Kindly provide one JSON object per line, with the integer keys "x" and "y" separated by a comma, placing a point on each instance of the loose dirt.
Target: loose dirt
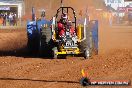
{"x": 114, "y": 62}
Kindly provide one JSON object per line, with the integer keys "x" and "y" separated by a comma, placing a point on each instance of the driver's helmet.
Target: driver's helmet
{"x": 64, "y": 17}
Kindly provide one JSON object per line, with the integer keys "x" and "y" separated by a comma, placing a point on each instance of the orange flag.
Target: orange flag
{"x": 83, "y": 73}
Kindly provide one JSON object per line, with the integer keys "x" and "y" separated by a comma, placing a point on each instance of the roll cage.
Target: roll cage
{"x": 66, "y": 9}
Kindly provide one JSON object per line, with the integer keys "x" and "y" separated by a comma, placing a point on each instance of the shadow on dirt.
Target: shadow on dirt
{"x": 22, "y": 52}
{"x": 39, "y": 80}
{"x": 17, "y": 52}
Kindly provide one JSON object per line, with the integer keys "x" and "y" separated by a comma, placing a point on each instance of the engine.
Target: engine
{"x": 69, "y": 38}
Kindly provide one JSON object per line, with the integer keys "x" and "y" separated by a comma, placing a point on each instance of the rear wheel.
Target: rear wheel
{"x": 90, "y": 45}
{"x": 86, "y": 53}
{"x": 54, "y": 51}
{"x": 46, "y": 43}
{"x": 85, "y": 46}
{"x": 33, "y": 45}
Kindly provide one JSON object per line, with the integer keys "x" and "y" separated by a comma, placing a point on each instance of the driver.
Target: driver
{"x": 65, "y": 25}
{"x": 64, "y": 18}
{"x": 61, "y": 25}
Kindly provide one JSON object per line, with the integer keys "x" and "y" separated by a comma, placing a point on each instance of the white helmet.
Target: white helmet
{"x": 64, "y": 16}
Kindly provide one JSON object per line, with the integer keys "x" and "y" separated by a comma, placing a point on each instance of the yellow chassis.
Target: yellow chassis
{"x": 69, "y": 51}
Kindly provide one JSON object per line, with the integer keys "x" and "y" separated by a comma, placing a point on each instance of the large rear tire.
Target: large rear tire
{"x": 85, "y": 46}
{"x": 46, "y": 43}
{"x": 90, "y": 45}
{"x": 33, "y": 45}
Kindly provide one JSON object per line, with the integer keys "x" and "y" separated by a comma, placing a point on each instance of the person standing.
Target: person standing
{"x": 1, "y": 19}
{"x": 10, "y": 18}
{"x": 4, "y": 19}
{"x": 14, "y": 19}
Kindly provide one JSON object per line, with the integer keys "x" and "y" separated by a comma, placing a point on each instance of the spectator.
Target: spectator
{"x": 4, "y": 19}
{"x": 11, "y": 19}
{"x": 7, "y": 18}
{"x": 14, "y": 19}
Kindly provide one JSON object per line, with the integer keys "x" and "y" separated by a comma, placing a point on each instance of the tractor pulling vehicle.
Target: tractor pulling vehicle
{"x": 62, "y": 36}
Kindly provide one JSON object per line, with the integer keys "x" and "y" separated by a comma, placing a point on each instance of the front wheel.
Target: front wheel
{"x": 33, "y": 46}
{"x": 55, "y": 50}
{"x": 86, "y": 54}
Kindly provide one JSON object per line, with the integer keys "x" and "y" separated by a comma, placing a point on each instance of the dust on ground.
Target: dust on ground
{"x": 113, "y": 62}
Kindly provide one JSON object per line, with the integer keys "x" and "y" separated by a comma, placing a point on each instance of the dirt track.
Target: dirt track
{"x": 17, "y": 71}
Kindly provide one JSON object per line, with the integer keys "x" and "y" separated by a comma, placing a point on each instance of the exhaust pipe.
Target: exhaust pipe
{"x": 84, "y": 31}
{"x": 53, "y": 28}
{"x": 33, "y": 14}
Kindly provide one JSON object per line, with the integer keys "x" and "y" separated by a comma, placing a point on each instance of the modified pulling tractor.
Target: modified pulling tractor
{"x": 62, "y": 36}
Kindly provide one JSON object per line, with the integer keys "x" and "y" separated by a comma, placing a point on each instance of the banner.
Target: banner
{"x": 4, "y": 8}
{"x": 114, "y": 1}
{"x": 124, "y": 9}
